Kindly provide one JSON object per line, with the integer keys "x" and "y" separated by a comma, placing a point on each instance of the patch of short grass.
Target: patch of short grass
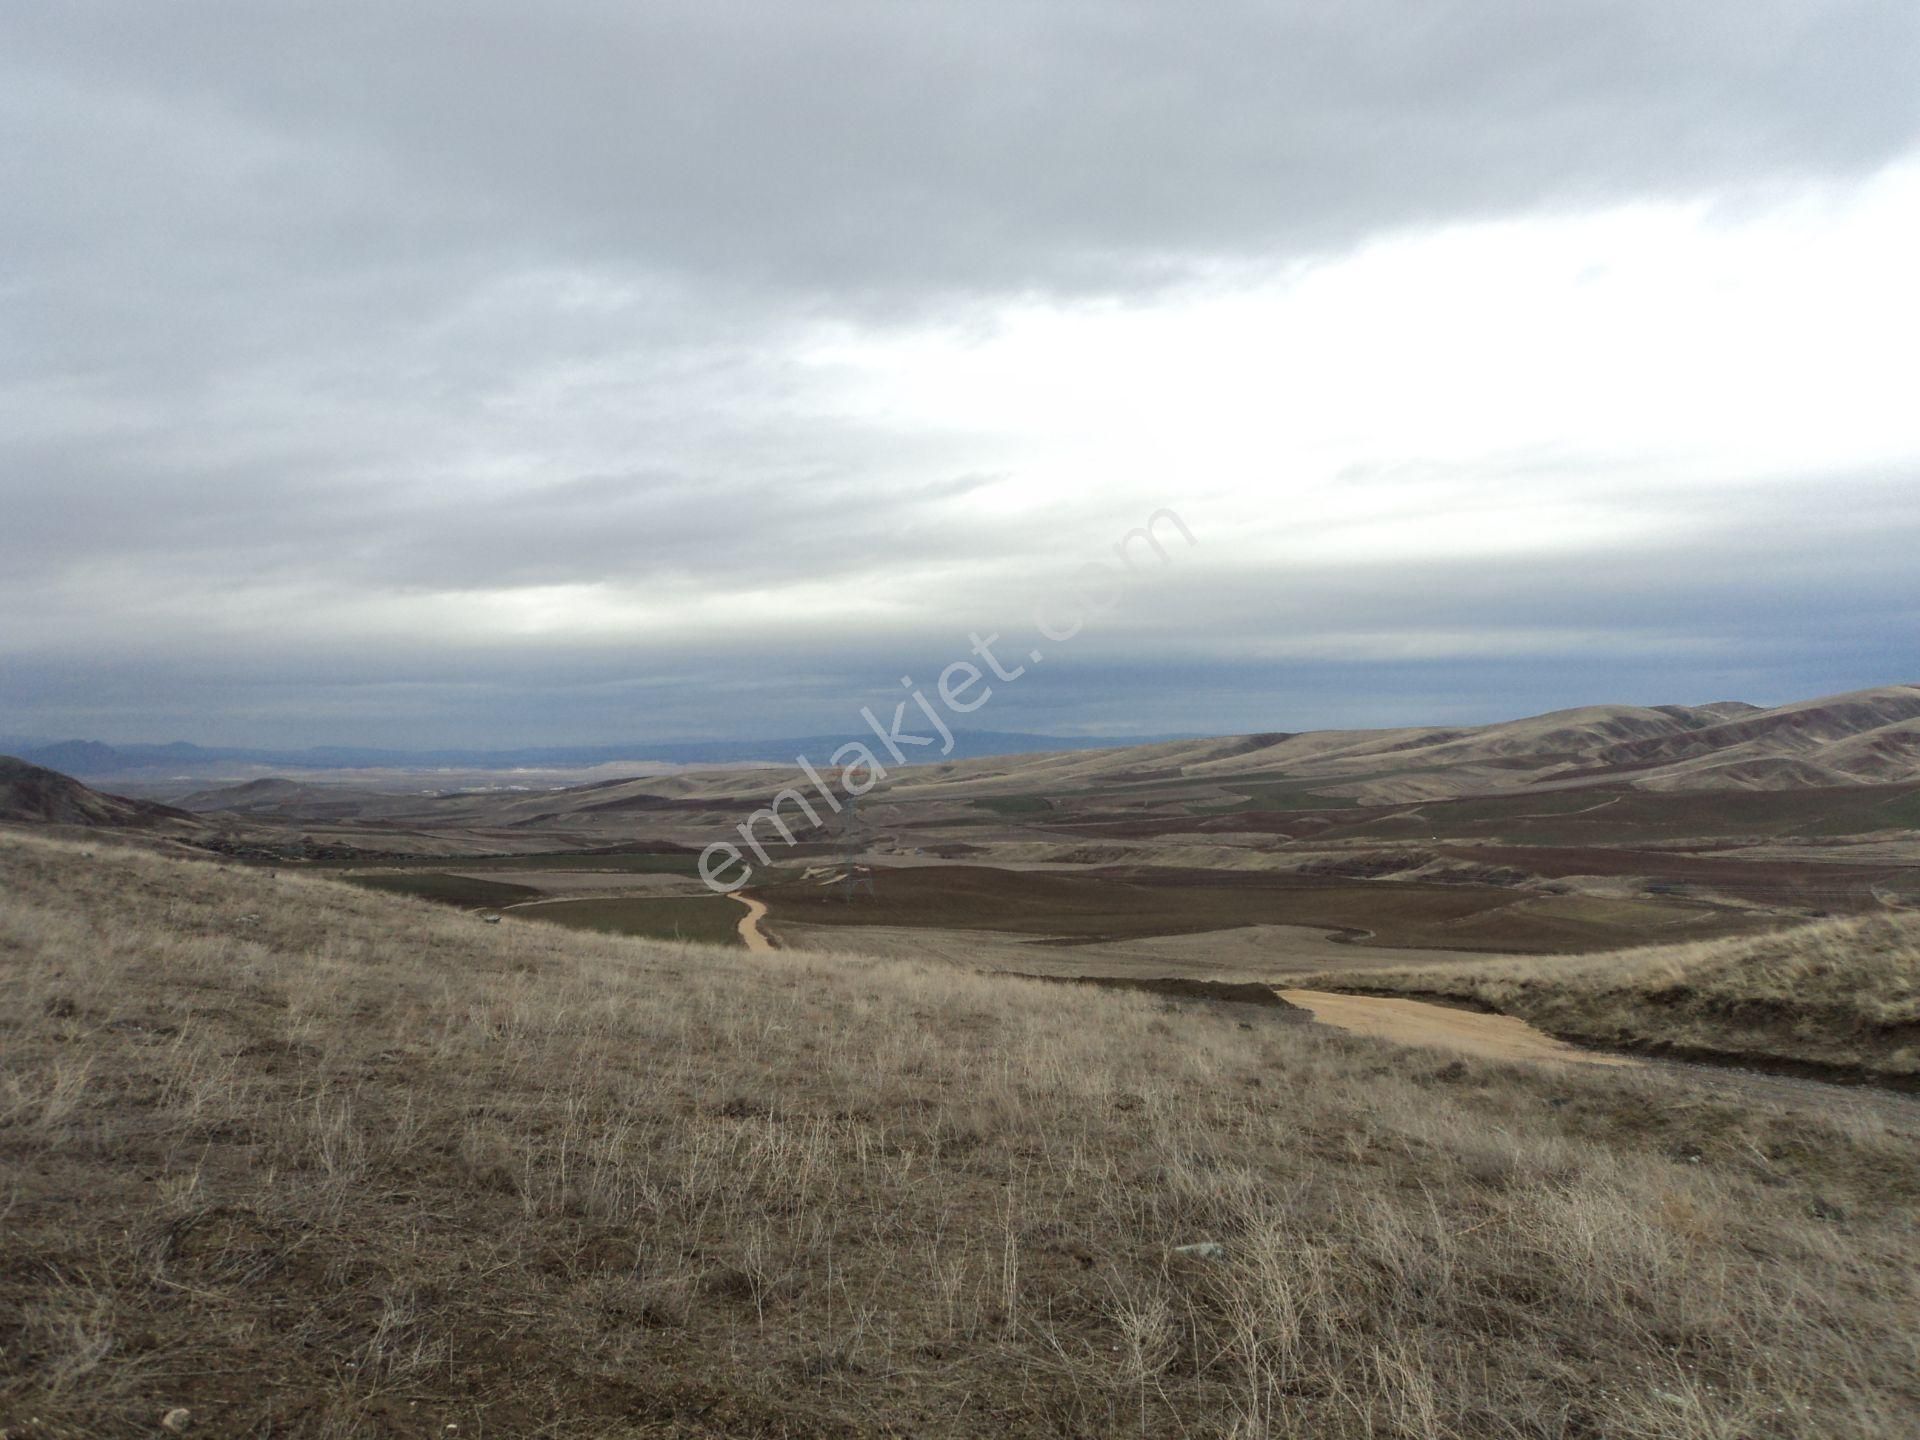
{"x": 1014, "y": 804}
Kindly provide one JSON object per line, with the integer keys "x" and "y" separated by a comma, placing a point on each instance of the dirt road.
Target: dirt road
{"x": 1414, "y": 1022}
{"x": 751, "y": 935}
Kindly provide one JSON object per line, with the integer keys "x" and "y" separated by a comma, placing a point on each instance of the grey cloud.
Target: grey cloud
{"x": 1801, "y": 600}
{"x": 860, "y": 146}
{"x": 381, "y": 298}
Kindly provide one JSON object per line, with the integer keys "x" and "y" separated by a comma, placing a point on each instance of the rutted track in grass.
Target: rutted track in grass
{"x": 1419, "y": 1022}
{"x": 1402, "y": 1018}
{"x": 751, "y": 935}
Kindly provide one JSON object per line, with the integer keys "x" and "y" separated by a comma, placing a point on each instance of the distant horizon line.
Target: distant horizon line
{"x": 46, "y": 741}
{"x": 24, "y": 746}
{"x": 99, "y": 758}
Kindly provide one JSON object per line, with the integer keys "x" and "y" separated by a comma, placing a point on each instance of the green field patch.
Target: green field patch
{"x": 1552, "y": 804}
{"x": 636, "y": 862}
{"x": 621, "y": 862}
{"x": 709, "y": 918}
{"x": 1904, "y": 812}
{"x": 1014, "y": 804}
{"x": 462, "y": 890}
{"x": 1275, "y": 795}
{"x": 1873, "y": 812}
{"x": 1639, "y": 817}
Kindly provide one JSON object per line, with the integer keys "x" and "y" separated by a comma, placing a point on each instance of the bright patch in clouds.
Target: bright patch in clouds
{"x": 1522, "y": 386}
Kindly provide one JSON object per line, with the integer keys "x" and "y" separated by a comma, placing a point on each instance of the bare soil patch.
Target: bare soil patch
{"x": 1119, "y": 905}
{"x": 1419, "y": 1023}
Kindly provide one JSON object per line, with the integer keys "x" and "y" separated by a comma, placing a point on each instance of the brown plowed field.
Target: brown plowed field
{"x": 1107, "y": 906}
{"x": 1774, "y": 881}
{"x": 1601, "y": 815}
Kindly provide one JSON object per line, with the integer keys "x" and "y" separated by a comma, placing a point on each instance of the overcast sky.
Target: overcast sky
{"x": 484, "y": 373}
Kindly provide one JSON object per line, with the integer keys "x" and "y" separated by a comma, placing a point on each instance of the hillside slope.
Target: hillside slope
{"x": 32, "y": 795}
{"x": 269, "y": 794}
{"x": 1869, "y": 737}
{"x": 304, "y": 1160}
{"x": 1864, "y": 738}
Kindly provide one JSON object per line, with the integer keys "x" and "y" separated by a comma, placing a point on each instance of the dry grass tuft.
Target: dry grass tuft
{"x": 360, "y": 1167}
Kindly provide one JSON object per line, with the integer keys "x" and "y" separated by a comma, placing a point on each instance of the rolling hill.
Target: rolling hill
{"x": 1871, "y": 737}
{"x": 1845, "y": 766}
{"x": 272, "y": 796}
{"x": 30, "y": 794}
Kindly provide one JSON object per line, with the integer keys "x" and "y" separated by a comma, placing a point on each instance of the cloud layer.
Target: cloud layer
{"x": 484, "y": 373}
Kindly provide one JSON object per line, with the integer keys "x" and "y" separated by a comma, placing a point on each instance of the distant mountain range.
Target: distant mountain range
{"x": 93, "y": 759}
{"x": 1868, "y": 738}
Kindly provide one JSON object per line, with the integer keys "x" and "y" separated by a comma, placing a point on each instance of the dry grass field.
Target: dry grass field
{"x": 305, "y": 1160}
{"x": 1838, "y": 993}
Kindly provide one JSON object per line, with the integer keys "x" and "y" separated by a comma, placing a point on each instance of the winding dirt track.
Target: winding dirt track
{"x": 751, "y": 935}
{"x": 1414, "y": 1022}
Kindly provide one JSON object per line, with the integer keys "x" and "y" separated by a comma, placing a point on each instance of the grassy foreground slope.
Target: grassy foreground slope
{"x": 306, "y": 1160}
{"x": 1840, "y": 993}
